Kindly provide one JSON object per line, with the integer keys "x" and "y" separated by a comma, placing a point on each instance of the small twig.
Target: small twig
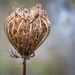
{"x": 24, "y": 66}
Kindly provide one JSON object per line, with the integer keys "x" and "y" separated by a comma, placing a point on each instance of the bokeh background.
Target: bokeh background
{"x": 56, "y": 56}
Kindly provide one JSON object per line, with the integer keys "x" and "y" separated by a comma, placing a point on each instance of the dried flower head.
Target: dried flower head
{"x": 27, "y": 29}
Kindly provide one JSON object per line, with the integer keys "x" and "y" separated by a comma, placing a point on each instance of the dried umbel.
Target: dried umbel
{"x": 27, "y": 29}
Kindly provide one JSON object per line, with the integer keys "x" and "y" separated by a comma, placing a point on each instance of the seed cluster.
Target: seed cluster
{"x": 27, "y": 29}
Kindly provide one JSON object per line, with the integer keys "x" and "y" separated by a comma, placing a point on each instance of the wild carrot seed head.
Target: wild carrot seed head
{"x": 27, "y": 29}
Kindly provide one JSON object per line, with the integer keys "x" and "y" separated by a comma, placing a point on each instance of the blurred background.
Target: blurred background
{"x": 56, "y": 56}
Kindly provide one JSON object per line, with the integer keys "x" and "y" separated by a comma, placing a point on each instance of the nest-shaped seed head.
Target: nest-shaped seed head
{"x": 27, "y": 29}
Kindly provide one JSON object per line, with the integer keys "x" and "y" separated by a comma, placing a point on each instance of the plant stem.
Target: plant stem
{"x": 24, "y": 66}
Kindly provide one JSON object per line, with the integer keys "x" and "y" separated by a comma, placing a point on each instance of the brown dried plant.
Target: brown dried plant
{"x": 27, "y": 29}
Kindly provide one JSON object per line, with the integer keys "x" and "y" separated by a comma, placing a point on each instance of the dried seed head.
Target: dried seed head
{"x": 27, "y": 29}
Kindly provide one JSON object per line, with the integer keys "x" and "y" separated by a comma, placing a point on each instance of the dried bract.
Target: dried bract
{"x": 27, "y": 29}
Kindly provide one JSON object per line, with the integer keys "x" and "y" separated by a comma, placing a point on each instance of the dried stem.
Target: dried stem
{"x": 24, "y": 66}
